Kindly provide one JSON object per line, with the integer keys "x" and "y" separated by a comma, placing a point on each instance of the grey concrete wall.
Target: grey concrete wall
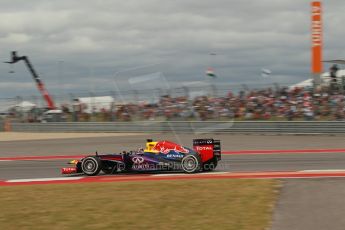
{"x": 186, "y": 127}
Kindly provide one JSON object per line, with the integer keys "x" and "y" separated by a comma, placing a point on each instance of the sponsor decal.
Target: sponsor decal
{"x": 165, "y": 147}
{"x": 138, "y": 160}
{"x": 143, "y": 166}
{"x": 202, "y": 148}
{"x": 203, "y": 141}
{"x": 175, "y": 156}
{"x": 68, "y": 170}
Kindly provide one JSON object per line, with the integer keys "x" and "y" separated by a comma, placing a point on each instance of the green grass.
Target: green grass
{"x": 197, "y": 204}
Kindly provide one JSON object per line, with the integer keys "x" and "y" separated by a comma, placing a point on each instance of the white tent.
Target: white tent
{"x": 326, "y": 77}
{"x": 325, "y": 80}
{"x": 25, "y": 106}
{"x": 96, "y": 104}
{"x": 304, "y": 84}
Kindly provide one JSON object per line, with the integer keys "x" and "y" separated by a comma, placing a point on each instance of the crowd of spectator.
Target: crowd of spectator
{"x": 266, "y": 104}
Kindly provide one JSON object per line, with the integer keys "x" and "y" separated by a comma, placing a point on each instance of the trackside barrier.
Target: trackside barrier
{"x": 302, "y": 127}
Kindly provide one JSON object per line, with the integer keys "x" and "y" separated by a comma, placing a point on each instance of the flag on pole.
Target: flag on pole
{"x": 210, "y": 72}
{"x": 265, "y": 72}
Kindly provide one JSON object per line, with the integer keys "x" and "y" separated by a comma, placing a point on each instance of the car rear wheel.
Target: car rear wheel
{"x": 191, "y": 164}
{"x": 91, "y": 166}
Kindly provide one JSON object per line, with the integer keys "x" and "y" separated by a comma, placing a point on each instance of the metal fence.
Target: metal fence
{"x": 122, "y": 96}
{"x": 248, "y": 127}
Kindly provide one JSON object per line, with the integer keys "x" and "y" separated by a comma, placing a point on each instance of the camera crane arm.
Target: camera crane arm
{"x": 37, "y": 79}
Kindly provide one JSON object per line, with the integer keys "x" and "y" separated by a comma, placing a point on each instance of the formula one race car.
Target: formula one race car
{"x": 158, "y": 156}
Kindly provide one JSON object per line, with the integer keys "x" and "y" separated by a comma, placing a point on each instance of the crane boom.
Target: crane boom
{"x": 37, "y": 79}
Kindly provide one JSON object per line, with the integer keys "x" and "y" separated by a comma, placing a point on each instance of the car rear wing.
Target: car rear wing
{"x": 208, "y": 149}
{"x": 217, "y": 151}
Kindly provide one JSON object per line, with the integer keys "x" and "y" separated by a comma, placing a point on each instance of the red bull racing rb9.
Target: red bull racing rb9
{"x": 157, "y": 156}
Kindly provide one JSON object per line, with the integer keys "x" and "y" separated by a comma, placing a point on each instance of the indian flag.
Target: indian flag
{"x": 210, "y": 72}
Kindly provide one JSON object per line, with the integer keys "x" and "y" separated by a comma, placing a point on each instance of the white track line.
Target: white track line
{"x": 206, "y": 173}
{"x": 44, "y": 179}
{"x": 324, "y": 170}
{"x": 296, "y": 177}
{"x": 179, "y": 174}
{"x": 186, "y": 174}
{"x": 5, "y": 160}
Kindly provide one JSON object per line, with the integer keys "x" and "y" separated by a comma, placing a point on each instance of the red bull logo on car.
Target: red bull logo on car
{"x": 165, "y": 147}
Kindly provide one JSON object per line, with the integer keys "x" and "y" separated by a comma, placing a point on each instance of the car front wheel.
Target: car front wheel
{"x": 91, "y": 166}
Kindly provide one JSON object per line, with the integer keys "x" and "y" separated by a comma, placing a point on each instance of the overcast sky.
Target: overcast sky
{"x": 81, "y": 45}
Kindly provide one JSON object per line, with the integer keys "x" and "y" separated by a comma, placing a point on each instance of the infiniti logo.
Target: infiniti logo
{"x": 138, "y": 160}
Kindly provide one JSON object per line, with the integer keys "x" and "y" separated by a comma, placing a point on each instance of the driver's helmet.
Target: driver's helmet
{"x": 150, "y": 145}
{"x": 140, "y": 150}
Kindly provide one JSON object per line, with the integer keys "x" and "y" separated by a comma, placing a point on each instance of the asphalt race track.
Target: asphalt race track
{"x": 230, "y": 163}
{"x": 117, "y": 144}
{"x": 316, "y": 203}
{"x": 17, "y": 169}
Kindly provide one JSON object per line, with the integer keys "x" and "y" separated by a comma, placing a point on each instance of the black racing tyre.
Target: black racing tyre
{"x": 109, "y": 167}
{"x": 91, "y": 166}
{"x": 208, "y": 167}
{"x": 191, "y": 164}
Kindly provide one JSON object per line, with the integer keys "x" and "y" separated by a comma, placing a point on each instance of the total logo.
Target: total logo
{"x": 203, "y": 148}
{"x": 69, "y": 170}
{"x": 138, "y": 160}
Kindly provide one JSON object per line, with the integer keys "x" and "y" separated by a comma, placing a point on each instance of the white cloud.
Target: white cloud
{"x": 99, "y": 38}
{"x": 15, "y": 38}
{"x": 9, "y": 85}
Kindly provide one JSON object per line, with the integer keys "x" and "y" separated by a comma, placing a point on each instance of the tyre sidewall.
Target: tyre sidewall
{"x": 197, "y": 162}
{"x": 95, "y": 163}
